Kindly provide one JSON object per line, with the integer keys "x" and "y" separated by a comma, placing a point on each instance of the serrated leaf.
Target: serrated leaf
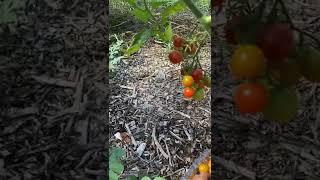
{"x": 177, "y": 7}
{"x": 113, "y": 175}
{"x": 116, "y": 166}
{"x": 141, "y": 14}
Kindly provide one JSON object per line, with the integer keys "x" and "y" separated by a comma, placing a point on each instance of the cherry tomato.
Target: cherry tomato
{"x": 282, "y": 106}
{"x": 247, "y": 62}
{"x": 188, "y": 92}
{"x": 276, "y": 41}
{"x": 187, "y": 81}
{"x": 178, "y": 41}
{"x": 203, "y": 168}
{"x": 250, "y": 98}
{"x": 175, "y": 57}
{"x": 199, "y": 94}
{"x": 197, "y": 74}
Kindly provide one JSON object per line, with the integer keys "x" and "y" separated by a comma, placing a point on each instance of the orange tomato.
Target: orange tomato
{"x": 203, "y": 168}
{"x": 187, "y": 81}
{"x": 188, "y": 92}
{"x": 247, "y": 62}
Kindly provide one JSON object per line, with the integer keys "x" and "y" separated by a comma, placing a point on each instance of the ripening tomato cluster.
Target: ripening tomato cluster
{"x": 203, "y": 171}
{"x": 194, "y": 79}
{"x": 270, "y": 66}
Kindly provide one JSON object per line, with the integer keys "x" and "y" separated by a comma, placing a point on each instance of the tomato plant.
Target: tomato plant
{"x": 268, "y": 60}
{"x": 250, "y": 98}
{"x": 183, "y": 50}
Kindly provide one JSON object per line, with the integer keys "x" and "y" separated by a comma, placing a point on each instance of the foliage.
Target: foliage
{"x": 115, "y": 165}
{"x": 8, "y": 11}
{"x": 115, "y": 52}
{"x": 156, "y": 16}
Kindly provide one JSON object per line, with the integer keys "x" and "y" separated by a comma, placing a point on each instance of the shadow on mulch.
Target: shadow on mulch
{"x": 53, "y": 93}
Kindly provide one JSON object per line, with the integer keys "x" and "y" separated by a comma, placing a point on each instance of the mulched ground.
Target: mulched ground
{"x": 53, "y": 88}
{"x": 252, "y": 148}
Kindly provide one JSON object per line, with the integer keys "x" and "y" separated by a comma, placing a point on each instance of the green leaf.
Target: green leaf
{"x": 145, "y": 178}
{"x": 177, "y": 7}
{"x": 142, "y": 15}
{"x": 139, "y": 40}
{"x": 113, "y": 175}
{"x": 132, "y": 2}
{"x": 157, "y": 3}
{"x": 7, "y": 14}
{"x": 132, "y": 49}
{"x": 116, "y": 166}
{"x": 159, "y": 178}
{"x": 168, "y": 33}
{"x": 117, "y": 153}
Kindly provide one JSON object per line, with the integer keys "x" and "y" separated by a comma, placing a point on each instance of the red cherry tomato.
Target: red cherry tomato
{"x": 178, "y": 41}
{"x": 197, "y": 74}
{"x": 250, "y": 98}
{"x": 276, "y": 41}
{"x": 175, "y": 57}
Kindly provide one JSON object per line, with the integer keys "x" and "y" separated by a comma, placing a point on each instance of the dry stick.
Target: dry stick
{"x": 285, "y": 10}
{"x": 234, "y": 167}
{"x": 131, "y": 136}
{"x": 157, "y": 143}
{"x": 53, "y": 81}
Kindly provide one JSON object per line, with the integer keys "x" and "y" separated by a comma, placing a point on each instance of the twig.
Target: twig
{"x": 131, "y": 136}
{"x": 158, "y": 144}
{"x": 53, "y": 81}
{"x": 234, "y": 167}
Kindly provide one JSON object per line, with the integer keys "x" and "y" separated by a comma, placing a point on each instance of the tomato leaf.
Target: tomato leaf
{"x": 117, "y": 153}
{"x": 132, "y": 2}
{"x": 138, "y": 42}
{"x": 159, "y": 178}
{"x": 142, "y": 15}
{"x": 145, "y": 178}
{"x": 157, "y": 3}
{"x": 177, "y": 7}
{"x": 116, "y": 166}
{"x": 113, "y": 175}
{"x": 168, "y": 33}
